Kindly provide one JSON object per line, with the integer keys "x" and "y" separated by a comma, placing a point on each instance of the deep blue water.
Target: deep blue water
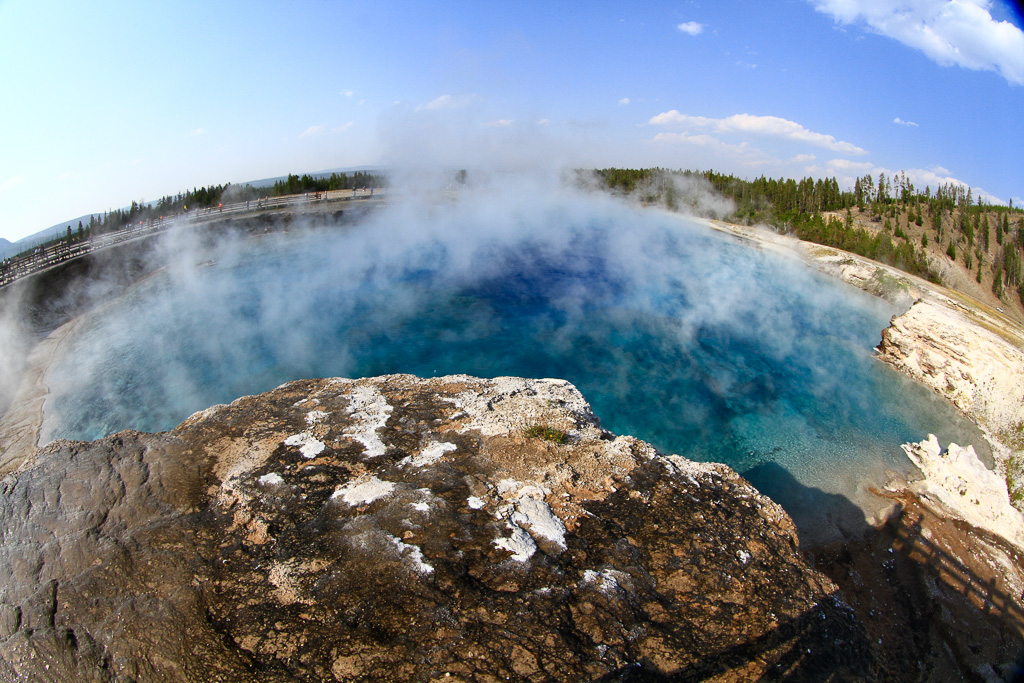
{"x": 689, "y": 340}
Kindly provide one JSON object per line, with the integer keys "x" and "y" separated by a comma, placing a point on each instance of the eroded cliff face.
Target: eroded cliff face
{"x": 396, "y": 528}
{"x": 977, "y": 364}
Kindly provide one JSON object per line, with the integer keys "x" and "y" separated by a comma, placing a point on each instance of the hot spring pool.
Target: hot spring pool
{"x": 683, "y": 337}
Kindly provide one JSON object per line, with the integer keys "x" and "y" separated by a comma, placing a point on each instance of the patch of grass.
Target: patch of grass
{"x": 887, "y": 285}
{"x": 547, "y": 433}
{"x": 1015, "y": 485}
{"x": 1013, "y": 436}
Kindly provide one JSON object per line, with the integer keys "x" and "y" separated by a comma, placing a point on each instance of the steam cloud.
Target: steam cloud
{"x": 13, "y": 347}
{"x": 252, "y": 329}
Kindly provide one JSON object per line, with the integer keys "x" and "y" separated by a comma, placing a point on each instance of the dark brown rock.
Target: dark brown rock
{"x": 404, "y": 529}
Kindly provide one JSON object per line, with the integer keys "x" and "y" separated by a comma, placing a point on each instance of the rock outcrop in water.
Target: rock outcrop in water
{"x": 404, "y": 529}
{"x": 957, "y": 479}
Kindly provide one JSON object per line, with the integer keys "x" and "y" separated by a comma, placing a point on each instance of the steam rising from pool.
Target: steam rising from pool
{"x": 676, "y": 334}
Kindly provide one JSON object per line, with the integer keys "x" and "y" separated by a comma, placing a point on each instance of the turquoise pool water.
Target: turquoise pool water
{"x": 686, "y": 338}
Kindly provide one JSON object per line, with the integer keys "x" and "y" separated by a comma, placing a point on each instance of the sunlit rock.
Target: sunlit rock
{"x": 958, "y": 479}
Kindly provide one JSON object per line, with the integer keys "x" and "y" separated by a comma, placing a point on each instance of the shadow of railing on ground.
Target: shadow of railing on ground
{"x": 911, "y": 541}
{"x": 814, "y": 646}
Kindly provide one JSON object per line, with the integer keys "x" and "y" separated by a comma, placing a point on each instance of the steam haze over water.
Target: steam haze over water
{"x": 675, "y": 334}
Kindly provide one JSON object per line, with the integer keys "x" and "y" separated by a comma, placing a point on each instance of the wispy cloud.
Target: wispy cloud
{"x": 718, "y": 152}
{"x": 347, "y": 93}
{"x": 960, "y": 32}
{"x": 769, "y": 126}
{"x": 12, "y": 183}
{"x": 500, "y": 123}
{"x": 313, "y": 130}
{"x": 321, "y": 129}
{"x": 702, "y": 140}
{"x": 850, "y": 166}
{"x": 624, "y": 100}
{"x": 691, "y": 28}
{"x": 196, "y": 132}
{"x": 449, "y": 102}
{"x": 901, "y": 122}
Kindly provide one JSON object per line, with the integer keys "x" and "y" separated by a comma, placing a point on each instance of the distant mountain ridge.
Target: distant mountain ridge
{"x": 49, "y": 233}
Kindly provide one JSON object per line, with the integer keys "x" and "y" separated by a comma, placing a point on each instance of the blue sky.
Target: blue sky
{"x": 109, "y": 102}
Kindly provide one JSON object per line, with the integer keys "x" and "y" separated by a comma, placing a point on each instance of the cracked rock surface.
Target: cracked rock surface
{"x": 397, "y": 528}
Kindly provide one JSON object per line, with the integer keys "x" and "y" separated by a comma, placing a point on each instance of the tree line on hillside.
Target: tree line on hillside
{"x": 209, "y": 197}
{"x": 818, "y": 210}
{"x": 336, "y": 181}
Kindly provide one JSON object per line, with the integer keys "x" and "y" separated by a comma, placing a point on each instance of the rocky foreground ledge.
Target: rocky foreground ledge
{"x": 396, "y": 528}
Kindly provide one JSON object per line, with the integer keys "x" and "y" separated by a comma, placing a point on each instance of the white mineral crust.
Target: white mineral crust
{"x": 958, "y": 479}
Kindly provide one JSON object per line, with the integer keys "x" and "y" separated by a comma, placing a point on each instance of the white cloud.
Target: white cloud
{"x": 960, "y": 32}
{"x": 197, "y": 132}
{"x": 501, "y": 122}
{"x": 313, "y": 130}
{"x": 901, "y": 122}
{"x": 937, "y": 175}
{"x": 624, "y": 100}
{"x": 691, "y": 27}
{"x": 449, "y": 102}
{"x": 344, "y": 126}
{"x": 847, "y": 172}
{"x": 771, "y": 126}
{"x": 347, "y": 93}
{"x": 804, "y": 158}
